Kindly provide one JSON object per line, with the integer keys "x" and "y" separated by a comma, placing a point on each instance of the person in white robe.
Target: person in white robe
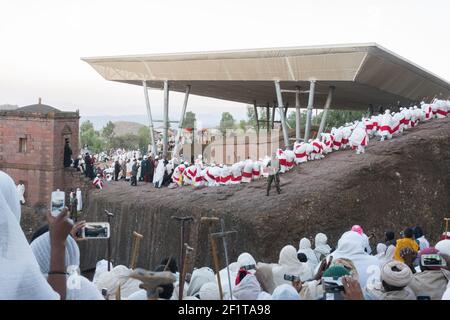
{"x": 79, "y": 200}
{"x": 159, "y": 174}
{"x": 305, "y": 247}
{"x": 198, "y": 279}
{"x": 247, "y": 289}
{"x": 78, "y": 287}
{"x": 351, "y": 246}
{"x": 20, "y": 276}
{"x": 322, "y": 249}
{"x": 288, "y": 264}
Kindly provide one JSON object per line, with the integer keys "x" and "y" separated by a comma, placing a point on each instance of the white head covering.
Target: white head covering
{"x": 351, "y": 246}
{"x": 80, "y": 288}
{"x": 198, "y": 279}
{"x": 209, "y": 291}
{"x": 118, "y": 276}
{"x": 285, "y": 292}
{"x": 41, "y": 250}
{"x": 9, "y": 191}
{"x": 20, "y": 277}
{"x": 248, "y": 289}
{"x": 443, "y": 247}
{"x": 305, "y": 247}
{"x": 388, "y": 255}
{"x": 245, "y": 259}
{"x": 321, "y": 246}
{"x": 288, "y": 263}
{"x": 381, "y": 250}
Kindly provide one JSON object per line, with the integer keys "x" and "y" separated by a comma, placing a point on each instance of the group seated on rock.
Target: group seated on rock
{"x": 406, "y": 268}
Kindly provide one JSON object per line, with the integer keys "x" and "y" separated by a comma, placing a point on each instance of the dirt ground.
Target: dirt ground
{"x": 397, "y": 183}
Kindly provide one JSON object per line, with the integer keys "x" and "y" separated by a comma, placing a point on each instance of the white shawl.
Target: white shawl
{"x": 20, "y": 277}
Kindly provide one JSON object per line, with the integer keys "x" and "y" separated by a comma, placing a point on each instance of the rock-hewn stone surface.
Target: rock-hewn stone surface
{"x": 397, "y": 183}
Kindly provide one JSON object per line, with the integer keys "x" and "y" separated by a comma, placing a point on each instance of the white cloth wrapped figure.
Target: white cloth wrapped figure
{"x": 290, "y": 157}
{"x": 256, "y": 171}
{"x": 317, "y": 152}
{"x": 20, "y": 192}
{"x": 440, "y": 108}
{"x": 359, "y": 138}
{"x": 189, "y": 175}
{"x": 236, "y": 172}
{"x": 247, "y": 172}
{"x": 327, "y": 140}
{"x": 407, "y": 121}
{"x": 300, "y": 152}
{"x": 370, "y": 128}
{"x": 177, "y": 176}
{"x": 427, "y": 110}
{"x": 386, "y": 126}
{"x": 212, "y": 176}
{"x": 282, "y": 158}
{"x": 225, "y": 177}
{"x": 79, "y": 200}
{"x": 337, "y": 138}
{"x": 414, "y": 120}
{"x": 346, "y": 132}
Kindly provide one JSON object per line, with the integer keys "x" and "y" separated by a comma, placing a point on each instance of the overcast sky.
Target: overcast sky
{"x": 41, "y": 42}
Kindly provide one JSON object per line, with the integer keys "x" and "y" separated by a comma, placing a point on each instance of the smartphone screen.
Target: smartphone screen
{"x": 96, "y": 230}
{"x": 57, "y": 202}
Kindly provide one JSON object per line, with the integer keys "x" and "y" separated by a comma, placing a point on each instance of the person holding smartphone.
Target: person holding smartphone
{"x": 30, "y": 284}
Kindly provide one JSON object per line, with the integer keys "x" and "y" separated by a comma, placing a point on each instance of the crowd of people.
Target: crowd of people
{"x": 134, "y": 166}
{"x": 406, "y": 267}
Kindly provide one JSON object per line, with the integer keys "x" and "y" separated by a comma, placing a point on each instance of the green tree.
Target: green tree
{"x": 227, "y": 122}
{"x": 89, "y": 136}
{"x": 127, "y": 141}
{"x": 337, "y": 118}
{"x": 143, "y": 138}
{"x": 243, "y": 124}
{"x": 262, "y": 116}
{"x": 189, "y": 120}
{"x": 107, "y": 133}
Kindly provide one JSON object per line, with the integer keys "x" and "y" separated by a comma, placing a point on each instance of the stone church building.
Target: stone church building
{"x": 32, "y": 142}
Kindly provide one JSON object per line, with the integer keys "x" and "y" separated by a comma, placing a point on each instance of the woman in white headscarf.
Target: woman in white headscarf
{"x": 381, "y": 250}
{"x": 305, "y": 247}
{"x": 322, "y": 249}
{"x": 351, "y": 246}
{"x": 289, "y": 264}
{"x": 198, "y": 279}
{"x": 20, "y": 277}
{"x": 78, "y": 287}
{"x": 248, "y": 288}
{"x": 388, "y": 255}
{"x": 246, "y": 260}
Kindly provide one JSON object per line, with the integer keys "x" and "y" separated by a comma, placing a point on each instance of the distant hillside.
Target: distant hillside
{"x": 126, "y": 127}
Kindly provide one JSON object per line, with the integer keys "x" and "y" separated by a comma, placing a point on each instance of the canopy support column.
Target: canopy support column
{"x": 297, "y": 115}
{"x": 166, "y": 119}
{"x": 255, "y": 107}
{"x": 150, "y": 119}
{"x": 312, "y": 87}
{"x": 180, "y": 124}
{"x": 273, "y": 116}
{"x": 325, "y": 110}
{"x": 282, "y": 114}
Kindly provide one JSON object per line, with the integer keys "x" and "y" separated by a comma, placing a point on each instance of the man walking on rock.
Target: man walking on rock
{"x": 274, "y": 173}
